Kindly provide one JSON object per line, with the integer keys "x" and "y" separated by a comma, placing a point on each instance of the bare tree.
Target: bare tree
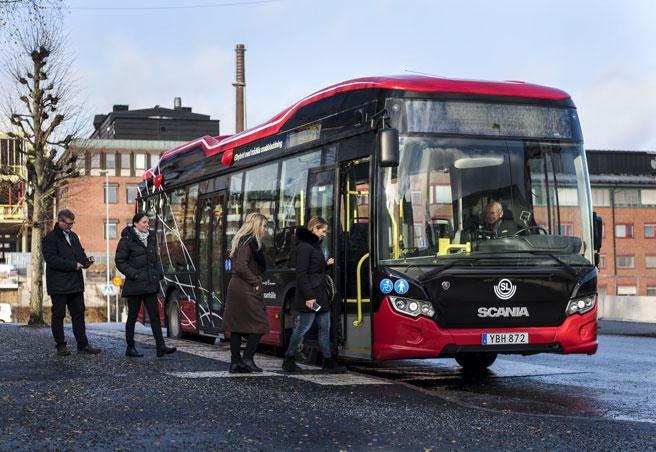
{"x": 42, "y": 111}
{"x": 13, "y": 13}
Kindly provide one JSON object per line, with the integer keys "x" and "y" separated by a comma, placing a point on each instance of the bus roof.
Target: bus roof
{"x": 417, "y": 83}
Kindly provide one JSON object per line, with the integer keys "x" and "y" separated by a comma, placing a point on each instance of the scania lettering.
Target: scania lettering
{"x": 503, "y": 312}
{"x": 404, "y": 169}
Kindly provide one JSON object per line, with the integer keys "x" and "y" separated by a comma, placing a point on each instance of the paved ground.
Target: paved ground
{"x": 188, "y": 400}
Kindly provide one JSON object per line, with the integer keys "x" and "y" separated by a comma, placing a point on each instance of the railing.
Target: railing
{"x": 13, "y": 213}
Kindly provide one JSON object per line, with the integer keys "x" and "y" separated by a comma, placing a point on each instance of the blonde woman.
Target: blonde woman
{"x": 244, "y": 314}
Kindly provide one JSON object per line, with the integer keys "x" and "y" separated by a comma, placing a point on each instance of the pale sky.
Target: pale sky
{"x": 600, "y": 52}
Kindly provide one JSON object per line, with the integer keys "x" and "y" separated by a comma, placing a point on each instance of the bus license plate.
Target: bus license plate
{"x": 504, "y": 338}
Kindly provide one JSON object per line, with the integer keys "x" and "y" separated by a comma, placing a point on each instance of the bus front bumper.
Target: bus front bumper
{"x": 397, "y": 336}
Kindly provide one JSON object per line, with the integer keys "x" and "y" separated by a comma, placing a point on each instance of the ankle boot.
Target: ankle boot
{"x": 331, "y": 366}
{"x": 250, "y": 364}
{"x": 164, "y": 350}
{"x": 132, "y": 352}
{"x": 289, "y": 365}
{"x": 239, "y": 368}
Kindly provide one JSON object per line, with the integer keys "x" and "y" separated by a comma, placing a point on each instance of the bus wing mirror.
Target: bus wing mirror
{"x": 597, "y": 229}
{"x": 388, "y": 147}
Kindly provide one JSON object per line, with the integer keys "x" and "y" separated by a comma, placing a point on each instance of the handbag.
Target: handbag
{"x": 330, "y": 288}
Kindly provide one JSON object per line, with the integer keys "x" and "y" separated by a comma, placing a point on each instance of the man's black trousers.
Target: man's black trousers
{"x": 75, "y": 303}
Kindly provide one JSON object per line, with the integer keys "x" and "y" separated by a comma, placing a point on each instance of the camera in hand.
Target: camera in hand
{"x": 90, "y": 262}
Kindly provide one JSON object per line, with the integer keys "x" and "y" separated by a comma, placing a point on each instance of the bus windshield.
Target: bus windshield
{"x": 467, "y": 198}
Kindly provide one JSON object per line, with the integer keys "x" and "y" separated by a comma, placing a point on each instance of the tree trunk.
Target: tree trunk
{"x": 36, "y": 289}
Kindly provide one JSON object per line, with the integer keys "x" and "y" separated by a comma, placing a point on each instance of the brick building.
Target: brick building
{"x": 624, "y": 194}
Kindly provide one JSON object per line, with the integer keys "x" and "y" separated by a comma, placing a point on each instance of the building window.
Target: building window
{"x": 131, "y": 192}
{"x": 140, "y": 162}
{"x": 648, "y": 197}
{"x": 81, "y": 163}
{"x": 568, "y": 197}
{"x": 95, "y": 164}
{"x": 627, "y": 197}
{"x": 651, "y": 291}
{"x": 567, "y": 229}
{"x": 624, "y": 231}
{"x": 602, "y": 261}
{"x": 600, "y": 197}
{"x": 625, "y": 261}
{"x": 650, "y": 231}
{"x": 110, "y": 229}
{"x": 650, "y": 261}
{"x": 626, "y": 290}
{"x": 123, "y": 165}
{"x": 154, "y": 160}
{"x": 110, "y": 161}
{"x": 415, "y": 197}
{"x": 111, "y": 193}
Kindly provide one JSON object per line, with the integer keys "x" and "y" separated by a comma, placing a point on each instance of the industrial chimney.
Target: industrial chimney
{"x": 239, "y": 88}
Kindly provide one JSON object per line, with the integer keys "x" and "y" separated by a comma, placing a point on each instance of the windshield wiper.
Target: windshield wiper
{"x": 565, "y": 265}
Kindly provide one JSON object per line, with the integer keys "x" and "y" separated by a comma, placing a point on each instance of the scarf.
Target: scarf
{"x": 143, "y": 236}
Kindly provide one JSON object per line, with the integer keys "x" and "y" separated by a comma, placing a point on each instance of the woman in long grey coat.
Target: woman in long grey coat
{"x": 244, "y": 314}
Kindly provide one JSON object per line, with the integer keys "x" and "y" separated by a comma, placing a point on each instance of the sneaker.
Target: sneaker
{"x": 88, "y": 350}
{"x": 289, "y": 365}
{"x": 165, "y": 351}
{"x": 63, "y": 351}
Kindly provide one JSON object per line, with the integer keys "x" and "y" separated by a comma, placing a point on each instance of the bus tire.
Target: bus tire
{"x": 173, "y": 326}
{"x": 476, "y": 362}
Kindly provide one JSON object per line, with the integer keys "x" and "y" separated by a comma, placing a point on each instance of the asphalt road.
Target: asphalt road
{"x": 188, "y": 400}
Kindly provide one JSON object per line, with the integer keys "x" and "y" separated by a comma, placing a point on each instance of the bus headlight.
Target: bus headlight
{"x": 581, "y": 305}
{"x": 413, "y": 308}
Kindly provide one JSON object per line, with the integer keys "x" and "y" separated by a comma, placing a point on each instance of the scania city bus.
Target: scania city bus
{"x": 404, "y": 169}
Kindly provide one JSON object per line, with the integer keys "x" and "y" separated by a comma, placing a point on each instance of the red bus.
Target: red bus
{"x": 404, "y": 168}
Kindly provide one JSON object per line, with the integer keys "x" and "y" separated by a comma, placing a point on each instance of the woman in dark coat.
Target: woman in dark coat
{"x": 136, "y": 257}
{"x": 244, "y": 314}
{"x": 311, "y": 299}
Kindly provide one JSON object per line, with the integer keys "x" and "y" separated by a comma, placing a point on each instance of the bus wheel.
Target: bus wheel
{"x": 173, "y": 320}
{"x": 475, "y": 362}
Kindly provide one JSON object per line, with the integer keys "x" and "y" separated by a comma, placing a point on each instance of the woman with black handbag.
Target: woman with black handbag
{"x": 314, "y": 294}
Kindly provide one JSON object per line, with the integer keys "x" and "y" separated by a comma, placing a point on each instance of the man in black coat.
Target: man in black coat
{"x": 65, "y": 259}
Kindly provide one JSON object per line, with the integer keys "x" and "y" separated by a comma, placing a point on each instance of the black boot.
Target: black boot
{"x": 289, "y": 365}
{"x": 86, "y": 348}
{"x": 250, "y": 364}
{"x": 331, "y": 366}
{"x": 239, "y": 368}
{"x": 62, "y": 350}
{"x": 132, "y": 352}
{"x": 164, "y": 350}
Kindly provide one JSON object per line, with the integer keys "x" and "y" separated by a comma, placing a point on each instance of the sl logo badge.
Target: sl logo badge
{"x": 446, "y": 285}
{"x": 505, "y": 289}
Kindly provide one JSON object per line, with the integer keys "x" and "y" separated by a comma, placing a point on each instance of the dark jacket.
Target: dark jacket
{"x": 62, "y": 275}
{"x": 139, "y": 263}
{"x": 244, "y": 308}
{"x": 311, "y": 271}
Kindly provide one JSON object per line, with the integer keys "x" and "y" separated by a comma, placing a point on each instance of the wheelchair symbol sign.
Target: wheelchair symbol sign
{"x": 386, "y": 285}
{"x": 401, "y": 286}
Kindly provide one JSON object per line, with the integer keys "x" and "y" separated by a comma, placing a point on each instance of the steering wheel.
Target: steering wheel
{"x": 540, "y": 229}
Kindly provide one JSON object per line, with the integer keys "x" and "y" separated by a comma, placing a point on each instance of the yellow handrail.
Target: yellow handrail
{"x": 358, "y": 280}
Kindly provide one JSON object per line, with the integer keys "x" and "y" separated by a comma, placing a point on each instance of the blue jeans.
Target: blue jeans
{"x": 303, "y": 325}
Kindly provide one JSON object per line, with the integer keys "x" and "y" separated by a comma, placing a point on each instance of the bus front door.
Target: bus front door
{"x": 353, "y": 264}
{"x": 209, "y": 305}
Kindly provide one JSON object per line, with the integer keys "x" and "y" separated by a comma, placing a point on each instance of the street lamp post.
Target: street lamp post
{"x": 106, "y": 173}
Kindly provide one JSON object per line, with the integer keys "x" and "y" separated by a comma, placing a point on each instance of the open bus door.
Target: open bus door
{"x": 353, "y": 267}
{"x": 210, "y": 237}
